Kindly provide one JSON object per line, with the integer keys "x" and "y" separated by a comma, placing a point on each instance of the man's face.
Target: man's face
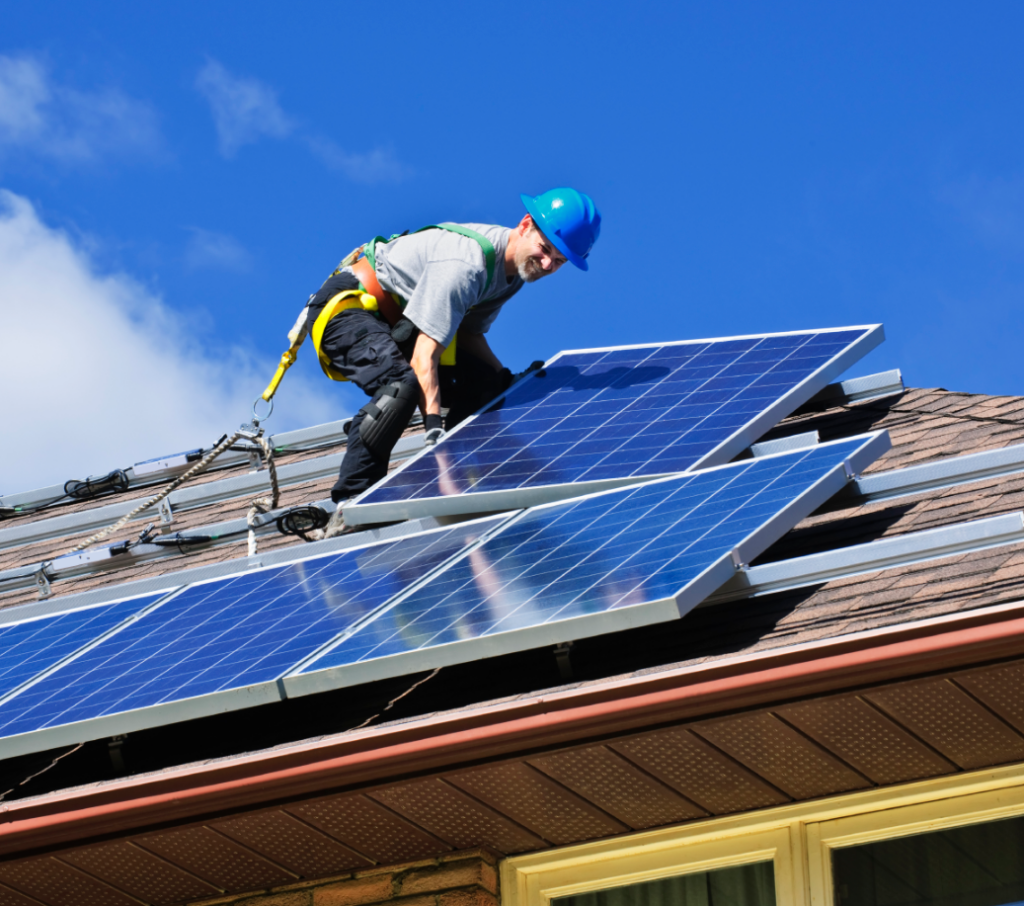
{"x": 535, "y": 257}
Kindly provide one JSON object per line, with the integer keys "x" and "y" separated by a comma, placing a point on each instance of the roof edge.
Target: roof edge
{"x": 564, "y": 717}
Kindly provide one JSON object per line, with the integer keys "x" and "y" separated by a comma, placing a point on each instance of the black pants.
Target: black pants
{"x": 361, "y": 348}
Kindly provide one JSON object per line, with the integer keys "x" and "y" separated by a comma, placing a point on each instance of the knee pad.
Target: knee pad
{"x": 386, "y": 416}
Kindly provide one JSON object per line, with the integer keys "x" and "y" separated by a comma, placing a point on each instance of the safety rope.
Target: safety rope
{"x": 198, "y": 468}
{"x": 263, "y": 505}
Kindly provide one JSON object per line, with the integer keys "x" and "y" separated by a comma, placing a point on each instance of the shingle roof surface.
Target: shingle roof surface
{"x": 925, "y": 425}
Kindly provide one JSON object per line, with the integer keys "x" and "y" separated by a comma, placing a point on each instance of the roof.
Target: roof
{"x": 875, "y": 676}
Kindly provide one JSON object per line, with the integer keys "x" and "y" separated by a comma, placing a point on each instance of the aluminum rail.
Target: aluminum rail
{"x": 855, "y": 390}
{"x": 781, "y": 445}
{"x": 104, "y": 559}
{"x": 16, "y": 579}
{"x": 886, "y": 553}
{"x": 943, "y": 473}
{"x": 327, "y": 434}
{"x": 187, "y": 498}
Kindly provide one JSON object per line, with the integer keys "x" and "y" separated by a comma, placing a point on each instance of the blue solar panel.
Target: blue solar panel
{"x": 29, "y": 648}
{"x": 670, "y": 540}
{"x": 603, "y": 416}
{"x": 232, "y": 633}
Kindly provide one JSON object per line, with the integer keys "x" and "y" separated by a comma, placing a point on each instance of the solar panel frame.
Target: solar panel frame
{"x": 363, "y": 511}
{"x": 299, "y": 683}
{"x": 120, "y": 611}
{"x": 208, "y": 704}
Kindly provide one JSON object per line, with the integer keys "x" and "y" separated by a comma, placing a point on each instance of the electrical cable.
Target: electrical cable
{"x": 395, "y": 701}
{"x": 113, "y": 483}
{"x": 75, "y": 490}
{"x": 300, "y": 520}
{"x": 52, "y": 764}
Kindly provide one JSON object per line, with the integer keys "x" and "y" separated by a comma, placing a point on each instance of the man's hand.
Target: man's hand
{"x": 425, "y": 356}
{"x": 434, "y": 432}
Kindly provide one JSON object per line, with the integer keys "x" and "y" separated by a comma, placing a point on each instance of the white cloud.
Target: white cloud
{"x": 379, "y": 165}
{"x": 62, "y": 123}
{"x": 99, "y": 373}
{"x": 207, "y": 249}
{"x": 244, "y": 109}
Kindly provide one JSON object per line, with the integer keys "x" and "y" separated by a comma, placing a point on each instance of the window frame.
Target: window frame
{"x": 798, "y": 839}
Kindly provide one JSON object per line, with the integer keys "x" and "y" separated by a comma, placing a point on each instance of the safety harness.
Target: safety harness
{"x": 367, "y": 301}
{"x": 360, "y": 298}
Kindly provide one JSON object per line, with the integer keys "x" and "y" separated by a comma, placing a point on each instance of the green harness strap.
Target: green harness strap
{"x": 490, "y": 254}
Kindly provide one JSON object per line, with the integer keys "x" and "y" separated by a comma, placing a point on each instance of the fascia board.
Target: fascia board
{"x": 367, "y": 514}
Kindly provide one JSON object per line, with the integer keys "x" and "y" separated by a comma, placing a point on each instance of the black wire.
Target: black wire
{"x": 8, "y": 512}
{"x": 302, "y": 519}
{"x": 74, "y": 490}
{"x": 113, "y": 483}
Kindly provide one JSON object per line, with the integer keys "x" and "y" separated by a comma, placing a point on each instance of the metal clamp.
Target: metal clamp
{"x": 166, "y": 515}
{"x": 43, "y": 581}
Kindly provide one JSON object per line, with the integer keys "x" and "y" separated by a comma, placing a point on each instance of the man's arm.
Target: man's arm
{"x": 425, "y": 356}
{"x": 476, "y": 344}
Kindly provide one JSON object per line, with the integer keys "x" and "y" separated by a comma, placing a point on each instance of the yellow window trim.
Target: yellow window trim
{"x": 797, "y": 838}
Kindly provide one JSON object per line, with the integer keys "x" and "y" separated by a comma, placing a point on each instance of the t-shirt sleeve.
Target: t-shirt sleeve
{"x": 444, "y": 293}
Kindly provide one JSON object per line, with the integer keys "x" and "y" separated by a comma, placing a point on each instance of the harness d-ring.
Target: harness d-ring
{"x": 262, "y": 418}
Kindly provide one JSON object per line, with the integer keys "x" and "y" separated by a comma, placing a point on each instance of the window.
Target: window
{"x": 977, "y": 865}
{"x": 951, "y": 841}
{"x": 744, "y": 885}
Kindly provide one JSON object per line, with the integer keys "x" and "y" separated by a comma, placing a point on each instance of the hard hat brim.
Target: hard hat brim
{"x": 553, "y": 237}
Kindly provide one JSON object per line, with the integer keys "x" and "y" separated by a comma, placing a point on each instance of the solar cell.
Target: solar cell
{"x": 621, "y": 558}
{"x": 595, "y": 419}
{"x": 29, "y": 647}
{"x": 221, "y": 644}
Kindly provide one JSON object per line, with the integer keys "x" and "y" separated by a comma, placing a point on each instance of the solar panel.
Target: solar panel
{"x": 221, "y": 645}
{"x": 602, "y": 418}
{"x": 32, "y": 646}
{"x": 614, "y": 560}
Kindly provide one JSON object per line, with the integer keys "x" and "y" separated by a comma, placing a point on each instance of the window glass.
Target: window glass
{"x": 979, "y": 865}
{"x": 743, "y": 885}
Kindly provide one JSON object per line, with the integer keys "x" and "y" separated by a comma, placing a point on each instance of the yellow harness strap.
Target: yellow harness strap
{"x": 448, "y": 356}
{"x": 343, "y": 301}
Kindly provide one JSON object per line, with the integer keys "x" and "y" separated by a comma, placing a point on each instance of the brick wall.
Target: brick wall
{"x": 457, "y": 879}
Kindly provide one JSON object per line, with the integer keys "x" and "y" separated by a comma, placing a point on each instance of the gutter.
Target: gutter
{"x": 442, "y": 742}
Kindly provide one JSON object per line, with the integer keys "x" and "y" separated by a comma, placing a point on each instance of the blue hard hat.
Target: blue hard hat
{"x": 569, "y": 219}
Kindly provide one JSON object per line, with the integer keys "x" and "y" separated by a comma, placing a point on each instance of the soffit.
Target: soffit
{"x": 790, "y": 752}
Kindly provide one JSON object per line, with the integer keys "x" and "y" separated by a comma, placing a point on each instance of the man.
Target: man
{"x": 387, "y": 319}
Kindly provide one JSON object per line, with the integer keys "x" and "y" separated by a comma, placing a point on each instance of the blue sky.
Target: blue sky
{"x": 178, "y": 178}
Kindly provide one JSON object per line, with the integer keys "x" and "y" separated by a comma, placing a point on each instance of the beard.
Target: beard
{"x": 529, "y": 269}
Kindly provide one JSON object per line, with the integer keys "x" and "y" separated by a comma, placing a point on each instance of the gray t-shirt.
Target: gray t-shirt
{"x": 443, "y": 275}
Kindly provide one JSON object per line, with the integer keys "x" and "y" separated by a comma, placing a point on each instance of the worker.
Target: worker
{"x": 385, "y": 319}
